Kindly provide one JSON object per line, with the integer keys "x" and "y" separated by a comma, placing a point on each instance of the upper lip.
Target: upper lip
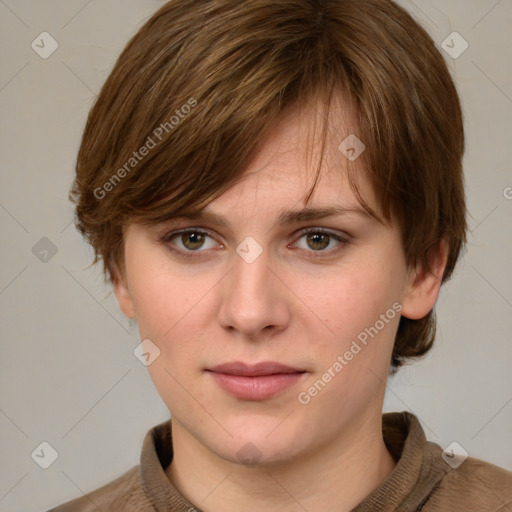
{"x": 253, "y": 370}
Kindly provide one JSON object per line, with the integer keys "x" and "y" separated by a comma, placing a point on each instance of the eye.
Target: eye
{"x": 190, "y": 240}
{"x": 318, "y": 240}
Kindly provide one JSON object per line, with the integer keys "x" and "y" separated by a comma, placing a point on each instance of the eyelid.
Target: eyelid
{"x": 342, "y": 238}
{"x": 167, "y": 239}
{"x": 191, "y": 229}
{"x": 327, "y": 231}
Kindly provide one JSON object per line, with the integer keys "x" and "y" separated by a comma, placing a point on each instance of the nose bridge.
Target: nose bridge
{"x": 250, "y": 267}
{"x": 251, "y": 300}
{"x": 249, "y": 280}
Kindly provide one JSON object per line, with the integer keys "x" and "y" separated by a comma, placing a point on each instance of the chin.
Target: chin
{"x": 260, "y": 444}
{"x": 257, "y": 454}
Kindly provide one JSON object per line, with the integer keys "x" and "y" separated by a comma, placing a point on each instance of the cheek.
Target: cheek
{"x": 174, "y": 311}
{"x": 164, "y": 299}
{"x": 170, "y": 313}
{"x": 349, "y": 301}
{"x": 360, "y": 313}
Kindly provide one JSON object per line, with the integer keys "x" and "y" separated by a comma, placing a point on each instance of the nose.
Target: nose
{"x": 254, "y": 300}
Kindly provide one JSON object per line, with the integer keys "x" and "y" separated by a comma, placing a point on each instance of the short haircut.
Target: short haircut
{"x": 199, "y": 86}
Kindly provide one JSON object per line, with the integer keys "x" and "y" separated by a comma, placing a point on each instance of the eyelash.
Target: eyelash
{"x": 168, "y": 238}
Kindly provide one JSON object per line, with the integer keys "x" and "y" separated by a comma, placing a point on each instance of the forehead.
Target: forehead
{"x": 293, "y": 160}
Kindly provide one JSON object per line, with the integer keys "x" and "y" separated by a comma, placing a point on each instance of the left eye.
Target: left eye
{"x": 319, "y": 241}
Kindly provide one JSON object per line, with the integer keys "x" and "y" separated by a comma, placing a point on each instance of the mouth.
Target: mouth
{"x": 255, "y": 382}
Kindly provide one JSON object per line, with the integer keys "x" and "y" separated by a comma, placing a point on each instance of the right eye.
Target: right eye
{"x": 189, "y": 240}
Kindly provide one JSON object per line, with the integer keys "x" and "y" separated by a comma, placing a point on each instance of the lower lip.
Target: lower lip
{"x": 256, "y": 388}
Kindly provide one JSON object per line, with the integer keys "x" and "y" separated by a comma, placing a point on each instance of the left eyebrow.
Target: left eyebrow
{"x": 308, "y": 214}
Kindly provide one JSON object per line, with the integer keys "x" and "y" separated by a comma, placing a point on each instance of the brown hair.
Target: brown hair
{"x": 199, "y": 86}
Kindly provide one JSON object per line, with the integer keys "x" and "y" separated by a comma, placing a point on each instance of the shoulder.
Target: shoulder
{"x": 475, "y": 485}
{"x": 140, "y": 487}
{"x": 123, "y": 493}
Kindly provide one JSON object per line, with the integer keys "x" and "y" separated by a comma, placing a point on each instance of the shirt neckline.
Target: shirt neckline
{"x": 407, "y": 487}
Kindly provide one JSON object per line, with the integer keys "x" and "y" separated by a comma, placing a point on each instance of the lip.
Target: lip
{"x": 255, "y": 381}
{"x": 254, "y": 370}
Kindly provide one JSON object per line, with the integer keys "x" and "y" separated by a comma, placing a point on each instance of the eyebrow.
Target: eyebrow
{"x": 308, "y": 214}
{"x": 286, "y": 217}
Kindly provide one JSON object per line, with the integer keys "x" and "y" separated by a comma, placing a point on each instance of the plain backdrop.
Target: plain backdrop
{"x": 68, "y": 375}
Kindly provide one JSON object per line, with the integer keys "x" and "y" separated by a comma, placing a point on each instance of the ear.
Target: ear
{"x": 423, "y": 284}
{"x": 123, "y": 295}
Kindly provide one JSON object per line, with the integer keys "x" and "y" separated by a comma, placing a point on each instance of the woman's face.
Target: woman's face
{"x": 275, "y": 320}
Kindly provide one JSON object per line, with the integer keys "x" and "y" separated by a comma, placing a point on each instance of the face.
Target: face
{"x": 275, "y": 319}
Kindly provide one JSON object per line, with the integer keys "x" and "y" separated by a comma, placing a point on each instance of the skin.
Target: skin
{"x": 300, "y": 303}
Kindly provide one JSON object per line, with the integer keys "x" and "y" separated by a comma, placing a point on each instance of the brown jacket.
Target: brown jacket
{"x": 421, "y": 480}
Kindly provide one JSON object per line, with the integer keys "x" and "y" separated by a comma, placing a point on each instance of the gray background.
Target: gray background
{"x": 67, "y": 372}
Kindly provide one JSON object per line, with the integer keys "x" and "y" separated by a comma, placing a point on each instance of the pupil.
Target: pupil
{"x": 318, "y": 241}
{"x": 193, "y": 240}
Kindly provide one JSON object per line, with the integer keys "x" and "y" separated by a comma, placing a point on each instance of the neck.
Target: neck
{"x": 337, "y": 476}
